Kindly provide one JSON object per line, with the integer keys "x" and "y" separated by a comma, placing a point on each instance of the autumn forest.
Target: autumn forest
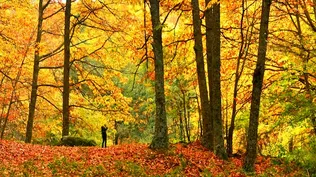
{"x": 179, "y": 87}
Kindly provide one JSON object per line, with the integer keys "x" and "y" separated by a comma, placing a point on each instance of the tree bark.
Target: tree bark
{"x": 215, "y": 89}
{"x": 314, "y": 9}
{"x": 66, "y": 90}
{"x": 208, "y": 136}
{"x": 182, "y": 136}
{"x": 32, "y": 105}
{"x": 160, "y": 139}
{"x": 291, "y": 145}
{"x": 200, "y": 128}
{"x": 258, "y": 75}
{"x": 305, "y": 63}
{"x": 185, "y": 115}
{"x": 188, "y": 126}
{"x": 198, "y": 48}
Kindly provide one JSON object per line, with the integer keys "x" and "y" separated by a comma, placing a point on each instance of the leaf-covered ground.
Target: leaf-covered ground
{"x": 19, "y": 159}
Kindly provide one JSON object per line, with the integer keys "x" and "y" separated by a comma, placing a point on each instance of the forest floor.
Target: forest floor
{"x": 20, "y": 159}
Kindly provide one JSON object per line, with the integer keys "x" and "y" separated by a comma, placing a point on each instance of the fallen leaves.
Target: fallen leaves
{"x": 20, "y": 159}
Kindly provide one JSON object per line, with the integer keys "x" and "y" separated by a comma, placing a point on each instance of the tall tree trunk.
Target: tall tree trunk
{"x": 66, "y": 90}
{"x": 215, "y": 89}
{"x": 305, "y": 63}
{"x": 198, "y": 48}
{"x": 32, "y": 105}
{"x": 200, "y": 129}
{"x": 309, "y": 94}
{"x": 2, "y": 117}
{"x": 160, "y": 139}
{"x": 117, "y": 127}
{"x": 237, "y": 77}
{"x": 184, "y": 106}
{"x": 291, "y": 144}
{"x": 188, "y": 121}
{"x": 314, "y": 8}
{"x": 8, "y": 111}
{"x": 208, "y": 136}
{"x": 251, "y": 152}
{"x": 226, "y": 116}
{"x": 182, "y": 139}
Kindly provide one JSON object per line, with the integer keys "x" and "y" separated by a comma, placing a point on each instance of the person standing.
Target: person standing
{"x": 104, "y": 136}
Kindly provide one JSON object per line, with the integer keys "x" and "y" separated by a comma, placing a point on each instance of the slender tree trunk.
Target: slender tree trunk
{"x": 198, "y": 48}
{"x": 291, "y": 145}
{"x": 1, "y": 117}
{"x": 314, "y": 8}
{"x": 258, "y": 75}
{"x": 2, "y": 112}
{"x": 7, "y": 116}
{"x": 184, "y": 113}
{"x": 175, "y": 125}
{"x": 160, "y": 139}
{"x": 117, "y": 127}
{"x": 185, "y": 116}
{"x": 181, "y": 126}
{"x": 188, "y": 121}
{"x": 200, "y": 129}
{"x": 309, "y": 95}
{"x": 215, "y": 90}
{"x": 32, "y": 105}
{"x": 305, "y": 63}
{"x": 237, "y": 77}
{"x": 226, "y": 115}
{"x": 208, "y": 136}
{"x": 66, "y": 90}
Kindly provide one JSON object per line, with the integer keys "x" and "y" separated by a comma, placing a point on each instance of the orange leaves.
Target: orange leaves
{"x": 151, "y": 75}
{"x": 124, "y": 160}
